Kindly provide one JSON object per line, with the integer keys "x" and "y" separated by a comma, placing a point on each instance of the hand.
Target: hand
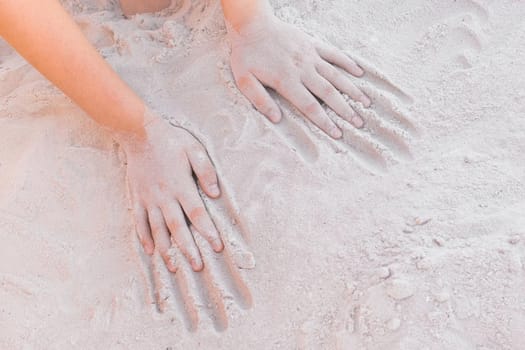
{"x": 269, "y": 52}
{"x": 164, "y": 194}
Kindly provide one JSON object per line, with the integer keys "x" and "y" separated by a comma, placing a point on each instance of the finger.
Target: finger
{"x": 341, "y": 82}
{"x": 180, "y": 235}
{"x": 142, "y": 227}
{"x": 204, "y": 170}
{"x": 335, "y": 56}
{"x": 195, "y": 210}
{"x": 161, "y": 236}
{"x": 323, "y": 89}
{"x": 258, "y": 96}
{"x": 301, "y": 98}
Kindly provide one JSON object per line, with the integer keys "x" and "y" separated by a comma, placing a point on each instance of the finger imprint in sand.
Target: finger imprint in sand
{"x": 379, "y": 80}
{"x": 295, "y": 133}
{"x": 235, "y": 257}
{"x": 210, "y": 287}
{"x": 385, "y": 105}
{"x": 169, "y": 293}
{"x": 394, "y": 138}
{"x": 185, "y": 293}
{"x": 388, "y": 127}
{"x": 385, "y": 137}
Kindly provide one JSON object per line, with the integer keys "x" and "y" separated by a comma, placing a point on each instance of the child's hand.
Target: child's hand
{"x": 269, "y": 52}
{"x": 163, "y": 191}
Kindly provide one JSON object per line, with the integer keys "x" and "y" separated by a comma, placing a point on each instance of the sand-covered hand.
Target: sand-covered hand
{"x": 268, "y": 52}
{"x": 164, "y": 192}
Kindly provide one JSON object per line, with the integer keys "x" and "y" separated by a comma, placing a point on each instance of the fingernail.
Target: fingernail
{"x": 336, "y": 133}
{"x": 197, "y": 266}
{"x": 274, "y": 115}
{"x": 147, "y": 248}
{"x": 172, "y": 268}
{"x": 214, "y": 190}
{"x": 218, "y": 246}
{"x": 366, "y": 101}
{"x": 358, "y": 122}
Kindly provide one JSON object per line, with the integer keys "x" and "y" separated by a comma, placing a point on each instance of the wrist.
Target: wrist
{"x": 240, "y": 16}
{"x": 138, "y": 139}
{"x": 252, "y": 31}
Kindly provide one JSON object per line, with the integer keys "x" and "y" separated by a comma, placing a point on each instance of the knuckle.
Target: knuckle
{"x": 330, "y": 72}
{"x": 331, "y": 75}
{"x": 243, "y": 81}
{"x": 196, "y": 214}
{"x": 285, "y": 78}
{"x": 311, "y": 108}
{"x": 155, "y": 227}
{"x": 163, "y": 251}
{"x": 337, "y": 78}
{"x": 278, "y": 84}
{"x": 328, "y": 90}
{"x": 173, "y": 224}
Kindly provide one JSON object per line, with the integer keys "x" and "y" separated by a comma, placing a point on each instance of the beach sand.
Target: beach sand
{"x": 409, "y": 234}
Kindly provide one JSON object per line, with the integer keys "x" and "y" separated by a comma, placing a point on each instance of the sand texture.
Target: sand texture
{"x": 408, "y": 234}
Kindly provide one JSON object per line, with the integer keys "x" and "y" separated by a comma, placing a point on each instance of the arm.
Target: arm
{"x": 239, "y": 13}
{"x": 132, "y": 7}
{"x": 267, "y": 52}
{"x": 44, "y": 34}
{"x": 160, "y": 158}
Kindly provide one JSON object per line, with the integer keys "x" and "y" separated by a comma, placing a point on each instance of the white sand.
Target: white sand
{"x": 426, "y": 253}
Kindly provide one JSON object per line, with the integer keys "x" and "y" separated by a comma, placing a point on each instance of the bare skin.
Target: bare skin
{"x": 132, "y": 7}
{"x": 42, "y": 32}
{"x": 265, "y": 52}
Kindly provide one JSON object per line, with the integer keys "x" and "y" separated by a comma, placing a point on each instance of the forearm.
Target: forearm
{"x": 238, "y": 13}
{"x": 46, "y": 36}
{"x": 132, "y": 7}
